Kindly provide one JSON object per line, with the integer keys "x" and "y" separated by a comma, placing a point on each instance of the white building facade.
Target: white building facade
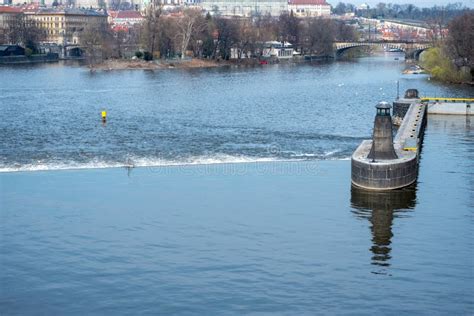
{"x": 278, "y": 50}
{"x": 245, "y": 8}
{"x": 309, "y": 8}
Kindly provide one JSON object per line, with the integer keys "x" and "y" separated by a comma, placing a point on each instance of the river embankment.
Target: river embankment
{"x": 189, "y": 63}
{"x": 34, "y": 59}
{"x": 127, "y": 64}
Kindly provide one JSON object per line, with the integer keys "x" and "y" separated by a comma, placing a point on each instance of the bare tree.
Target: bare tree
{"x": 190, "y": 23}
{"x": 150, "y": 30}
{"x": 228, "y": 35}
{"x": 97, "y": 40}
{"x": 120, "y": 38}
{"x": 24, "y": 31}
{"x": 202, "y": 42}
{"x": 289, "y": 28}
{"x": 460, "y": 41}
{"x": 126, "y": 41}
{"x": 266, "y": 30}
{"x": 319, "y": 37}
{"x": 167, "y": 38}
{"x": 344, "y": 32}
{"x": 246, "y": 43}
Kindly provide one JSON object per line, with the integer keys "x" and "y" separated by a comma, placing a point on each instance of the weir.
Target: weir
{"x": 435, "y": 105}
{"x": 384, "y": 163}
{"x": 387, "y": 163}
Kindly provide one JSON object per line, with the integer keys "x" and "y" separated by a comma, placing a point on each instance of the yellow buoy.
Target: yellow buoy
{"x": 104, "y": 116}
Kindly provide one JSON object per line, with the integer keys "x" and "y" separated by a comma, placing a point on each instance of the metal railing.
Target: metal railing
{"x": 441, "y": 99}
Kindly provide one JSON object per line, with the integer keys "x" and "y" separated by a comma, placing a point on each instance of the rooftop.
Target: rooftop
{"x": 8, "y": 9}
{"x": 72, "y": 11}
{"x": 129, "y": 14}
{"x": 308, "y": 2}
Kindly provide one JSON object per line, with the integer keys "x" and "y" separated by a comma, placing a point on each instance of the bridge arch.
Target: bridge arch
{"x": 415, "y": 53}
{"x": 75, "y": 52}
{"x": 412, "y": 50}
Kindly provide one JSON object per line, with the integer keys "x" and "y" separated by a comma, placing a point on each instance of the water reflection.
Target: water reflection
{"x": 380, "y": 208}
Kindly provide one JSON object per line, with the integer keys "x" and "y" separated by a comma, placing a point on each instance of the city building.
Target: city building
{"x": 309, "y": 8}
{"x": 60, "y": 3}
{"x": 123, "y": 20}
{"x": 172, "y": 2}
{"x": 23, "y": 2}
{"x": 245, "y": 7}
{"x": 8, "y": 15}
{"x": 65, "y": 26}
{"x": 128, "y": 17}
{"x": 280, "y": 50}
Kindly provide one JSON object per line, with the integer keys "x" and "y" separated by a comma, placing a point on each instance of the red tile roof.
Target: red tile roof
{"x": 30, "y": 8}
{"x": 5, "y": 9}
{"x": 310, "y": 2}
{"x": 128, "y": 15}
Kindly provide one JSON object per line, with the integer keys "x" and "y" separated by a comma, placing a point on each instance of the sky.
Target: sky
{"x": 418, "y": 3}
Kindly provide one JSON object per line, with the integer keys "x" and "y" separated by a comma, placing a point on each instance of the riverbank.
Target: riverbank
{"x": 34, "y": 59}
{"x": 127, "y": 64}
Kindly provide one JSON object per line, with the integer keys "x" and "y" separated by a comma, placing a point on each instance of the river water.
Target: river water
{"x": 243, "y": 204}
{"x": 51, "y": 114}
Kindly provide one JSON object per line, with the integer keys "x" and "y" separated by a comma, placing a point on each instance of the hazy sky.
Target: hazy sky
{"x": 418, "y": 3}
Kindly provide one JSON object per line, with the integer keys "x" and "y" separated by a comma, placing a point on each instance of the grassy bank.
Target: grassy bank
{"x": 441, "y": 67}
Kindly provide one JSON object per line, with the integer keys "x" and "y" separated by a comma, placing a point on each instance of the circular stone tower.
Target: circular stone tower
{"x": 382, "y": 140}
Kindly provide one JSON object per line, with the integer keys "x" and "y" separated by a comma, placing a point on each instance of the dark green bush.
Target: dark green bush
{"x": 147, "y": 56}
{"x": 28, "y": 52}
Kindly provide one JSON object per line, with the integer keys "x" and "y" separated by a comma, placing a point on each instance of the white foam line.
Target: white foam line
{"x": 147, "y": 162}
{"x": 142, "y": 162}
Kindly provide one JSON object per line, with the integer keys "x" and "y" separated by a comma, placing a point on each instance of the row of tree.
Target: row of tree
{"x": 214, "y": 37}
{"x": 192, "y": 33}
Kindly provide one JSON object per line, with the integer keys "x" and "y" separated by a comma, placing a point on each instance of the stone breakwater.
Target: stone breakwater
{"x": 387, "y": 174}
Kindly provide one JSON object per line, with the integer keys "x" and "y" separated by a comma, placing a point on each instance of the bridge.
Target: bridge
{"x": 412, "y": 50}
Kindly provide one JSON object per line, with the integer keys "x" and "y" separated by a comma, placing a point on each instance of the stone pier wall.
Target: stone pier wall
{"x": 394, "y": 173}
{"x": 400, "y": 108}
{"x": 384, "y": 176}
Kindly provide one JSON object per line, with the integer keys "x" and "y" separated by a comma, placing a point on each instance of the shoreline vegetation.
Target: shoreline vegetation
{"x": 451, "y": 59}
{"x": 190, "y": 63}
{"x": 439, "y": 66}
{"x": 189, "y": 39}
{"x": 195, "y": 62}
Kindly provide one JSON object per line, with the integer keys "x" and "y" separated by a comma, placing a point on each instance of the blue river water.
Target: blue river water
{"x": 51, "y": 114}
{"x": 240, "y": 202}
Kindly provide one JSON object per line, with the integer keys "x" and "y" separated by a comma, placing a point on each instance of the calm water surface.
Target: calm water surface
{"x": 282, "y": 233}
